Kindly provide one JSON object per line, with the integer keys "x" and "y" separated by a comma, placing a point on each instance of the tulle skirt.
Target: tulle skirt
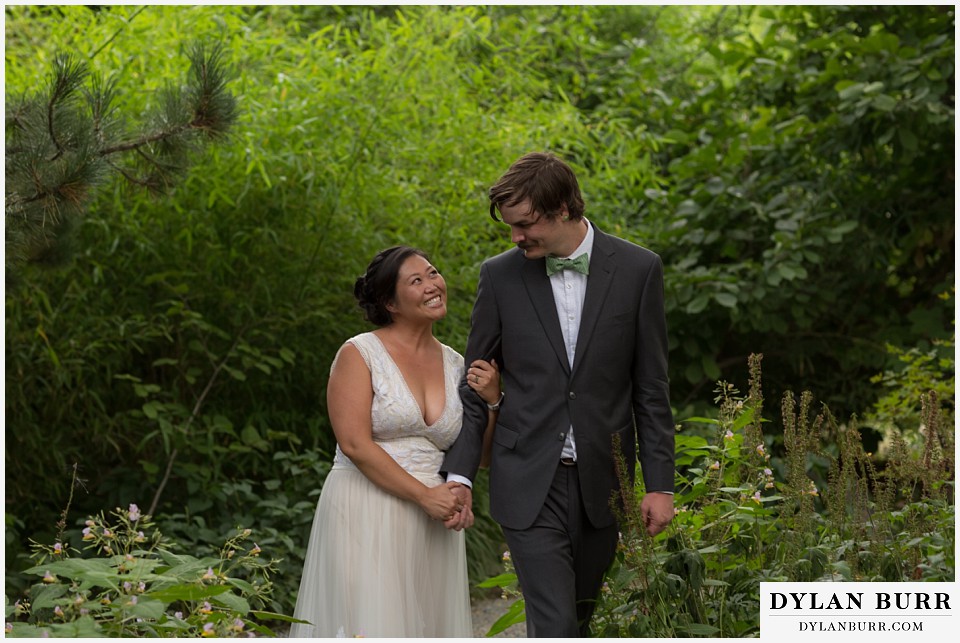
{"x": 378, "y": 566}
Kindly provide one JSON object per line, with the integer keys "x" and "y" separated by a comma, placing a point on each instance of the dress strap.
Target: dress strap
{"x": 366, "y": 344}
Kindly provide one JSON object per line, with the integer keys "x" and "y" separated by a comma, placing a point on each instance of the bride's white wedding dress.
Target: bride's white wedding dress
{"x": 378, "y": 566}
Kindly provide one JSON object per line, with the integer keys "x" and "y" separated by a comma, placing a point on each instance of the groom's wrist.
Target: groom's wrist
{"x": 452, "y": 477}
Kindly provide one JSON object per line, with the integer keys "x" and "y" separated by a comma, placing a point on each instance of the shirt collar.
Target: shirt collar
{"x": 586, "y": 246}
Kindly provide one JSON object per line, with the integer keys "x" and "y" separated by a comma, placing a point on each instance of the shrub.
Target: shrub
{"x": 135, "y": 585}
{"x": 743, "y": 517}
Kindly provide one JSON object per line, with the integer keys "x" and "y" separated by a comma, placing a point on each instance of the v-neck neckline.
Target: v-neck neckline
{"x": 406, "y": 386}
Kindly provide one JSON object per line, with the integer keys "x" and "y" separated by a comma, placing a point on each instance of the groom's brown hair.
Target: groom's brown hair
{"x": 543, "y": 178}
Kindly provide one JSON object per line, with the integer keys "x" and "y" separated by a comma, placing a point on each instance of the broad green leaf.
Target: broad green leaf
{"x": 725, "y": 299}
{"x": 147, "y": 607}
{"x": 47, "y": 595}
{"x": 273, "y": 616}
{"x": 715, "y": 186}
{"x": 232, "y": 601}
{"x": 82, "y": 627}
{"x": 152, "y": 409}
{"x": 502, "y": 580}
{"x": 908, "y": 139}
{"x": 687, "y": 208}
{"x": 188, "y": 592}
{"x": 698, "y": 304}
{"x": 516, "y": 614}
{"x": 692, "y": 441}
{"x": 76, "y": 568}
{"x": 849, "y": 91}
{"x": 745, "y": 418}
{"x": 243, "y": 585}
{"x": 884, "y": 102}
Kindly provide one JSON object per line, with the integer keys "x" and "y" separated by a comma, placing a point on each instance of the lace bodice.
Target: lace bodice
{"x": 398, "y": 425}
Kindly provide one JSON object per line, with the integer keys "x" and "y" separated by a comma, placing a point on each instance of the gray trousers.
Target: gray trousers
{"x": 560, "y": 561}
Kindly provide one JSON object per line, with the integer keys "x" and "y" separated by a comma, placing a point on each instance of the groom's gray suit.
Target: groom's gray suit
{"x": 617, "y": 386}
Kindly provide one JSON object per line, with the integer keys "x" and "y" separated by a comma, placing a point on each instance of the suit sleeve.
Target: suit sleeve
{"x": 651, "y": 387}
{"x": 463, "y": 457}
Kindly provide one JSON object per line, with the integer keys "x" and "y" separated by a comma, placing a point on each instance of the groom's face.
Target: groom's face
{"x": 535, "y": 234}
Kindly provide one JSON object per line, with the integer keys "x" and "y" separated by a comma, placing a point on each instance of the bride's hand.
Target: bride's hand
{"x": 440, "y": 502}
{"x": 484, "y": 378}
{"x": 463, "y": 518}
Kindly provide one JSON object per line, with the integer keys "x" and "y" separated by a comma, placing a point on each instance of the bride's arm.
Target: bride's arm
{"x": 484, "y": 378}
{"x": 349, "y": 401}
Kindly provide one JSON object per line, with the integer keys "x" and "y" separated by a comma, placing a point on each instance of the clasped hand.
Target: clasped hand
{"x": 462, "y": 519}
{"x": 451, "y": 503}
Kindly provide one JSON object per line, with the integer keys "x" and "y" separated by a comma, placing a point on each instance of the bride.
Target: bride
{"x": 380, "y": 561}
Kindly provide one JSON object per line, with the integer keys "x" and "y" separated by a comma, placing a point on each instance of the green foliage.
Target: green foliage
{"x": 134, "y": 585}
{"x": 196, "y": 332}
{"x": 61, "y": 148}
{"x": 507, "y": 582}
{"x": 920, "y": 372}
{"x": 744, "y": 517}
{"x": 282, "y": 506}
{"x": 773, "y": 156}
{"x": 788, "y": 163}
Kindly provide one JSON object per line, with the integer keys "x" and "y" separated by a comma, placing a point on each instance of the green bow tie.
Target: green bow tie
{"x": 581, "y": 264}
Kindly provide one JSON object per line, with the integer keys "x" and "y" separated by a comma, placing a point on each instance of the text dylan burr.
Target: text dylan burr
{"x": 855, "y": 601}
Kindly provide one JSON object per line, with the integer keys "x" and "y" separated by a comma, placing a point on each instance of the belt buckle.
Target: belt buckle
{"x": 568, "y": 462}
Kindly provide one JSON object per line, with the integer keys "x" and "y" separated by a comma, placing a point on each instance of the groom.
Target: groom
{"x": 574, "y": 318}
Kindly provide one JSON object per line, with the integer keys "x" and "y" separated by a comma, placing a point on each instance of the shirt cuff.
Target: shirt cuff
{"x": 452, "y": 477}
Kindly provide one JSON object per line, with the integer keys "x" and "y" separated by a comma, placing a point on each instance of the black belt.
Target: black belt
{"x": 568, "y": 462}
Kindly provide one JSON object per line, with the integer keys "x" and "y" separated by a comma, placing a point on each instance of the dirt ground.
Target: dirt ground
{"x": 486, "y": 611}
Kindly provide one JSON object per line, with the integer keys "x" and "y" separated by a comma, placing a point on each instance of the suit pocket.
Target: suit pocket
{"x": 612, "y": 342}
{"x": 618, "y": 318}
{"x": 505, "y": 437}
{"x": 617, "y": 325}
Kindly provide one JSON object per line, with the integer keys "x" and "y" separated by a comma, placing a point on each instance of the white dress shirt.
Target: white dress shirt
{"x": 569, "y": 289}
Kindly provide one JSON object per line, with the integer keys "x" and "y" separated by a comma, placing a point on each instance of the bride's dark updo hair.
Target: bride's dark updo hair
{"x": 377, "y": 287}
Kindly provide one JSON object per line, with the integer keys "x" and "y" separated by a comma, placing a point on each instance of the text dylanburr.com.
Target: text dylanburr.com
{"x": 859, "y": 611}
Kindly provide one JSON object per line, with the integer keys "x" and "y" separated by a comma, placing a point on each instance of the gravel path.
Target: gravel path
{"x": 486, "y": 611}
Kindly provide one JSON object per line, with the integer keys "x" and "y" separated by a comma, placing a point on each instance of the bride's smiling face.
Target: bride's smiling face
{"x": 421, "y": 291}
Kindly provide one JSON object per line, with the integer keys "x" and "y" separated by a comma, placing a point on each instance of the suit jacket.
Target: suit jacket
{"x": 618, "y": 384}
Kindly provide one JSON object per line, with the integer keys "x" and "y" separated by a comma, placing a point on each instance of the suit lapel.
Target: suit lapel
{"x": 535, "y": 279}
{"x": 602, "y": 268}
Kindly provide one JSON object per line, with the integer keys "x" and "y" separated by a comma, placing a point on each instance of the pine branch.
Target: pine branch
{"x": 100, "y": 97}
{"x": 130, "y": 178}
{"x": 60, "y": 149}
{"x": 212, "y": 108}
{"x": 145, "y": 140}
{"x": 70, "y": 73}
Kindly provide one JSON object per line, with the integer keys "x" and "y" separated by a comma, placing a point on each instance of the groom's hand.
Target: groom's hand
{"x": 657, "y": 511}
{"x": 463, "y": 518}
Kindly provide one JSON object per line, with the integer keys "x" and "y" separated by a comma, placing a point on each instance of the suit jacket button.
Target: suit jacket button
{"x": 563, "y": 436}
{"x": 573, "y": 395}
